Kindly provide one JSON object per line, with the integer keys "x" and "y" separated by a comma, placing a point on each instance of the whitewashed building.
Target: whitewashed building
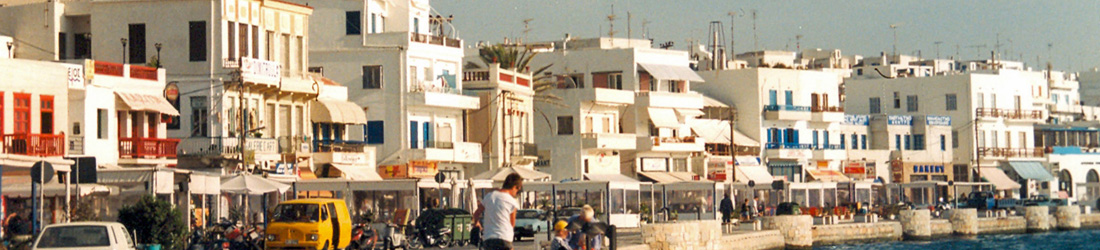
{"x": 505, "y": 125}
{"x": 406, "y": 72}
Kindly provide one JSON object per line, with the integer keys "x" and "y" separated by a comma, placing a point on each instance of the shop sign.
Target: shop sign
{"x": 937, "y": 120}
{"x": 260, "y": 71}
{"x": 350, "y": 158}
{"x": 393, "y": 171}
{"x": 856, "y": 119}
{"x": 422, "y": 169}
{"x": 899, "y": 120}
{"x": 654, "y": 164}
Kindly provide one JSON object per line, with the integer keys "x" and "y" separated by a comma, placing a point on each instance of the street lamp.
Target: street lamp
{"x": 158, "y": 46}
{"x": 123, "y": 40}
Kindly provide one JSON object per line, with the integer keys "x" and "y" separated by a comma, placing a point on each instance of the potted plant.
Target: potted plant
{"x": 155, "y": 222}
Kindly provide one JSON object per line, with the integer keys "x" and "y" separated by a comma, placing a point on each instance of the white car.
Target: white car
{"x": 85, "y": 235}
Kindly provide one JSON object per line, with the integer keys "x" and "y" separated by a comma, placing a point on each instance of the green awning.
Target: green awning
{"x": 1031, "y": 170}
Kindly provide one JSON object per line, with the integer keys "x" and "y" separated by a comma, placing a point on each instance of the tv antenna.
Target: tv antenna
{"x": 894, "y": 28}
{"x": 755, "y": 38}
{"x": 526, "y": 28}
{"x": 611, "y": 20}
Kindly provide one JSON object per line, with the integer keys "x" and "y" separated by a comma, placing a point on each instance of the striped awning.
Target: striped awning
{"x": 144, "y": 102}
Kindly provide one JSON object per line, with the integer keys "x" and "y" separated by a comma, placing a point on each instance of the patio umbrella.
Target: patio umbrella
{"x": 251, "y": 185}
{"x": 501, "y": 173}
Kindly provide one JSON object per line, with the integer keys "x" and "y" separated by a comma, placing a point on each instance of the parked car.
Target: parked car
{"x": 529, "y": 222}
{"x": 985, "y": 200}
{"x": 788, "y": 208}
{"x": 309, "y": 224}
{"x": 565, "y": 213}
{"x": 85, "y": 235}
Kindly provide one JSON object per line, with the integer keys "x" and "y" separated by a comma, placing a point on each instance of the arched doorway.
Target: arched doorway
{"x": 1065, "y": 182}
{"x": 1092, "y": 188}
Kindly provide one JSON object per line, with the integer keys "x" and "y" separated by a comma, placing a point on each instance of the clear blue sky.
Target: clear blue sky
{"x": 853, "y": 26}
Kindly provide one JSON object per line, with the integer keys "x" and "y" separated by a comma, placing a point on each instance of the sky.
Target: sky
{"x": 1066, "y": 33}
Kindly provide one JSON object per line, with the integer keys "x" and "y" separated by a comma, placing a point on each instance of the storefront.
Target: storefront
{"x": 904, "y": 172}
{"x": 616, "y": 198}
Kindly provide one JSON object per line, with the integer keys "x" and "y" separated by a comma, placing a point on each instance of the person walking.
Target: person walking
{"x": 726, "y": 207}
{"x": 746, "y": 211}
{"x": 756, "y": 209}
{"x": 496, "y": 215}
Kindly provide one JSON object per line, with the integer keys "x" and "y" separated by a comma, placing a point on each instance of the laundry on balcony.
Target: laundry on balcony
{"x": 671, "y": 72}
{"x": 999, "y": 179}
{"x": 1031, "y": 170}
{"x": 333, "y": 111}
{"x": 144, "y": 102}
{"x": 664, "y": 118}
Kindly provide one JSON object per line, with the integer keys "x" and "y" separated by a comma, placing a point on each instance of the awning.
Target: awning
{"x": 326, "y": 184}
{"x": 145, "y": 102}
{"x": 668, "y": 177}
{"x": 610, "y": 178}
{"x": 713, "y": 103}
{"x": 1031, "y": 170}
{"x": 685, "y": 113}
{"x": 500, "y": 174}
{"x": 671, "y": 72}
{"x": 357, "y": 173}
{"x": 664, "y": 118}
{"x": 758, "y": 174}
{"x": 333, "y": 111}
{"x": 205, "y": 184}
{"x": 998, "y": 178}
{"x": 54, "y": 190}
{"x": 827, "y": 175}
{"x": 718, "y": 131}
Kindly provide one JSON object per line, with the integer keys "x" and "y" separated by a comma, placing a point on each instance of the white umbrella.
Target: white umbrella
{"x": 251, "y": 185}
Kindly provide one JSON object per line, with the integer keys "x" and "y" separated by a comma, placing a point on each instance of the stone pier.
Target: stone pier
{"x": 916, "y": 224}
{"x": 964, "y": 221}
{"x": 1038, "y": 218}
{"x": 1068, "y": 217}
{"x": 797, "y": 230}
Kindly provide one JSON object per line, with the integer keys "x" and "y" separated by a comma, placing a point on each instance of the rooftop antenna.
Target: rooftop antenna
{"x": 645, "y": 30}
{"x": 798, "y": 40}
{"x": 755, "y": 38}
{"x": 977, "y": 48}
{"x": 937, "y": 43}
{"x": 997, "y": 44}
{"x": 733, "y": 14}
{"x": 894, "y": 28}
{"x": 526, "y": 28}
{"x": 629, "y": 33}
{"x": 611, "y": 20}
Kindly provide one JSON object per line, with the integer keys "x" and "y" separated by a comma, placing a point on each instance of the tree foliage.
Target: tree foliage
{"x": 155, "y": 222}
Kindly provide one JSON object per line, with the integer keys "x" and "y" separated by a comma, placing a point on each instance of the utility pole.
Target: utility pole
{"x": 977, "y": 150}
{"x": 731, "y": 173}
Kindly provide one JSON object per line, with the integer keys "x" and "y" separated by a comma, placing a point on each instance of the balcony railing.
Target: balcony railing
{"x": 816, "y": 109}
{"x": 1009, "y": 113}
{"x": 439, "y": 144}
{"x": 524, "y": 149}
{"x": 147, "y": 147}
{"x": 1011, "y": 152}
{"x": 829, "y": 147}
{"x": 35, "y": 144}
{"x": 685, "y": 139}
{"x": 787, "y": 145}
{"x": 786, "y": 108}
{"x": 471, "y": 76}
{"x": 436, "y": 40}
{"x": 338, "y": 146}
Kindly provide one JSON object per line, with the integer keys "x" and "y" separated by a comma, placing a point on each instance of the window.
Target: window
{"x": 911, "y": 104}
{"x": 897, "y": 101}
{"x": 565, "y": 125}
{"x": 242, "y": 40}
{"x": 353, "y": 23}
{"x": 1, "y": 113}
{"x": 908, "y": 142}
{"x": 615, "y": 80}
{"x": 825, "y": 139}
{"x": 255, "y": 44}
{"x": 137, "y": 43}
{"x": 375, "y": 132}
{"x": 1016, "y": 102}
{"x": 993, "y": 139}
{"x": 954, "y": 139}
{"x": 842, "y": 144}
{"x": 231, "y": 42}
{"x": 199, "y": 115}
{"x": 372, "y": 77}
{"x": 62, "y": 39}
{"x": 151, "y": 124}
{"x": 791, "y": 136}
{"x": 897, "y": 142}
{"x": 82, "y": 44}
{"x": 772, "y": 97}
{"x": 788, "y": 97}
{"x": 373, "y": 23}
{"x": 875, "y": 105}
{"x": 981, "y": 100}
{"x": 22, "y": 115}
{"x": 981, "y": 139}
{"x": 1023, "y": 140}
{"x": 416, "y": 25}
{"x": 414, "y": 134}
{"x": 918, "y": 142}
{"x": 101, "y": 123}
{"x": 951, "y": 102}
{"x": 943, "y": 143}
{"x": 863, "y": 141}
{"x": 815, "y": 139}
{"x": 46, "y": 112}
{"x": 855, "y": 142}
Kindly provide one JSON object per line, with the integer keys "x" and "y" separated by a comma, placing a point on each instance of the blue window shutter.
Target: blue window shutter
{"x": 842, "y": 144}
{"x": 897, "y": 142}
{"x": 413, "y": 132}
{"x": 429, "y": 139}
{"x": 794, "y": 139}
{"x": 855, "y": 141}
{"x": 815, "y": 138}
{"x": 825, "y": 138}
{"x": 770, "y": 131}
{"x": 773, "y": 98}
{"x": 789, "y": 97}
{"x": 943, "y": 143}
{"x": 375, "y": 132}
{"x": 863, "y": 141}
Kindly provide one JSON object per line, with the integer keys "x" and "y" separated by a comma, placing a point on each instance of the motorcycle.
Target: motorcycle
{"x": 437, "y": 238}
{"x": 363, "y": 237}
{"x": 403, "y": 237}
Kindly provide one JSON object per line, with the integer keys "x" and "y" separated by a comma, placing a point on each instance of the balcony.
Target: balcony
{"x": 787, "y": 150}
{"x": 789, "y": 113}
{"x": 609, "y": 141}
{"x": 442, "y": 98}
{"x": 141, "y": 148}
{"x": 435, "y": 40}
{"x": 603, "y": 96}
{"x": 227, "y": 145}
{"x": 461, "y": 152}
{"x": 496, "y": 77}
{"x": 524, "y": 149}
{"x": 293, "y": 145}
{"x": 339, "y": 146}
{"x": 1010, "y": 114}
{"x": 829, "y": 152}
{"x": 1002, "y": 153}
{"x": 670, "y": 144}
{"x": 689, "y": 100}
{"x": 34, "y": 144}
{"x": 826, "y": 114}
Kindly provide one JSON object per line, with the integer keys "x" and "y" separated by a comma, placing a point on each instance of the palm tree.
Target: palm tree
{"x": 517, "y": 58}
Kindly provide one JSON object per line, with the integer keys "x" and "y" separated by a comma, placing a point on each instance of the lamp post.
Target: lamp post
{"x": 123, "y": 40}
{"x": 158, "y": 46}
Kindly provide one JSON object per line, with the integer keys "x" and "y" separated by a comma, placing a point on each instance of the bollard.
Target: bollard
{"x": 1038, "y": 218}
{"x": 1068, "y": 217}
{"x": 916, "y": 224}
{"x": 612, "y": 238}
{"x": 964, "y": 221}
{"x": 797, "y": 230}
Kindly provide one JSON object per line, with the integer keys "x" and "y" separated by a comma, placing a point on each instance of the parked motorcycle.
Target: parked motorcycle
{"x": 401, "y": 236}
{"x": 363, "y": 236}
{"x": 435, "y": 238}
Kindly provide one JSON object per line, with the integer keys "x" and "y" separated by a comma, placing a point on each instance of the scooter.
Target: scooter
{"x": 437, "y": 238}
{"x": 363, "y": 237}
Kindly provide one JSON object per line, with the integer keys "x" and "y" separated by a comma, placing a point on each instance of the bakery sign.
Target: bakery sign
{"x": 260, "y": 71}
